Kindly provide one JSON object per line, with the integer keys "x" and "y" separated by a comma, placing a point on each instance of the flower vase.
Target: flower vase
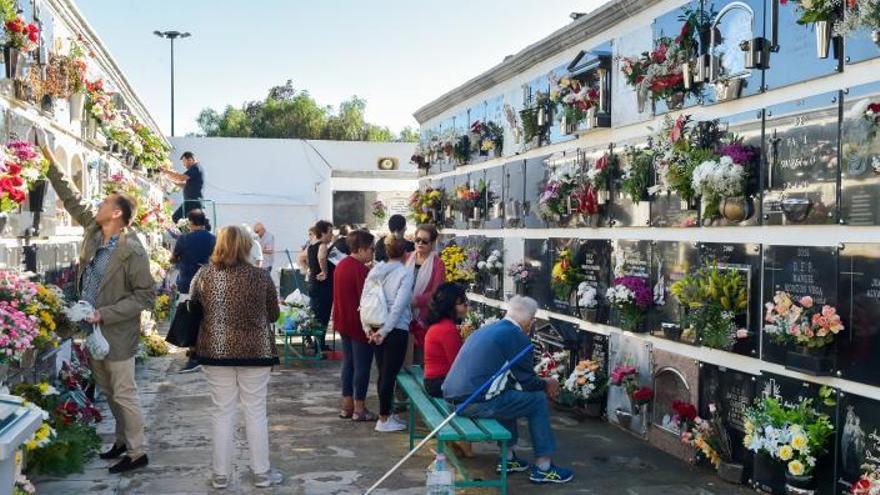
{"x": 687, "y": 75}
{"x": 875, "y": 37}
{"x": 731, "y": 472}
{"x": 810, "y": 360}
{"x": 641, "y": 100}
{"x": 624, "y": 418}
{"x": 799, "y": 485}
{"x": 11, "y": 57}
{"x": 522, "y": 288}
{"x": 477, "y": 214}
{"x": 37, "y": 195}
{"x": 589, "y": 314}
{"x": 497, "y": 211}
{"x": 736, "y": 208}
{"x": 675, "y": 101}
{"x": 823, "y": 37}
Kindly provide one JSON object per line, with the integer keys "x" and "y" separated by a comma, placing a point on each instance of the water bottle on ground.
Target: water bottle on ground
{"x": 440, "y": 478}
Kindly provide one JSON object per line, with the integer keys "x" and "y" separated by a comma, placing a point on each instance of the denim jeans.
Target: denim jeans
{"x": 357, "y": 359}
{"x": 514, "y": 404}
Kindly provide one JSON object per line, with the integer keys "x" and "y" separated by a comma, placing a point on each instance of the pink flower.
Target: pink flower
{"x": 806, "y": 302}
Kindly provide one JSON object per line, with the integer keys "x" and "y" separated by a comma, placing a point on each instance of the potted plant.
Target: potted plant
{"x": 795, "y": 435}
{"x": 710, "y": 440}
{"x": 632, "y": 298}
{"x": 585, "y": 388}
{"x": 522, "y": 274}
{"x": 804, "y": 326}
{"x": 21, "y": 37}
{"x": 712, "y": 299}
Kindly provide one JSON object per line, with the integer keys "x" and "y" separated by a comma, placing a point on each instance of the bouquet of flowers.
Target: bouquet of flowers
{"x": 818, "y": 10}
{"x": 635, "y": 171}
{"x": 379, "y": 211}
{"x": 552, "y": 365}
{"x": 492, "y": 264}
{"x": 708, "y": 436}
{"x": 521, "y": 272}
{"x": 586, "y": 382}
{"x": 19, "y": 34}
{"x": 802, "y": 322}
{"x": 575, "y": 97}
{"x": 859, "y": 14}
{"x": 587, "y": 296}
{"x": 627, "y": 377}
{"x": 99, "y": 104}
{"x": 555, "y": 201}
{"x": 487, "y": 137}
{"x": 471, "y": 323}
{"x": 632, "y": 297}
{"x": 872, "y": 117}
{"x": 162, "y": 307}
{"x": 713, "y": 298}
{"x": 154, "y": 345}
{"x": 565, "y": 274}
{"x": 47, "y": 308}
{"x": 466, "y": 198}
{"x": 458, "y": 264}
{"x": 424, "y": 204}
{"x": 795, "y": 434}
{"x": 20, "y": 168}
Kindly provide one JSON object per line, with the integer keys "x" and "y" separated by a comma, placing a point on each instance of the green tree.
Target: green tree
{"x": 408, "y": 135}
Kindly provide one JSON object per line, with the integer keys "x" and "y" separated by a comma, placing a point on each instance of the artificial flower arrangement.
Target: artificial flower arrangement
{"x": 860, "y": 14}
{"x": 536, "y": 120}
{"x": 575, "y": 97}
{"x": 424, "y": 205}
{"x": 725, "y": 177}
{"x": 632, "y": 298}
{"x": 869, "y": 482}
{"x": 634, "y": 172}
{"x": 587, "y": 296}
{"x": 18, "y": 33}
{"x": 795, "y": 434}
{"x": 48, "y": 308}
{"x": 487, "y": 137}
{"x": 626, "y": 377}
{"x": 521, "y": 272}
{"x": 379, "y": 211}
{"x": 586, "y": 383}
{"x": 459, "y": 264}
{"x": 153, "y": 154}
{"x": 660, "y": 73}
{"x": 552, "y": 365}
{"x": 566, "y": 275}
{"x": 712, "y": 299}
{"x": 557, "y": 198}
{"x": 493, "y": 264}
{"x": 680, "y": 146}
{"x": 801, "y": 322}
{"x": 18, "y": 329}
{"x": 99, "y": 104}
{"x": 21, "y": 167}
{"x": 590, "y": 195}
{"x": 473, "y": 322}
{"x": 813, "y": 11}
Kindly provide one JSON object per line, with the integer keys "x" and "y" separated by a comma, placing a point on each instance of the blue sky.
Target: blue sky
{"x": 398, "y": 55}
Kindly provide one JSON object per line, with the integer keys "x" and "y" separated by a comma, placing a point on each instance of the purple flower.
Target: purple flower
{"x": 639, "y": 287}
{"x": 740, "y": 154}
{"x": 551, "y": 192}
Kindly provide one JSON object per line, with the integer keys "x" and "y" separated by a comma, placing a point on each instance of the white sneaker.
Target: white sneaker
{"x": 389, "y": 426}
{"x": 219, "y": 482}
{"x": 397, "y": 420}
{"x": 267, "y": 479}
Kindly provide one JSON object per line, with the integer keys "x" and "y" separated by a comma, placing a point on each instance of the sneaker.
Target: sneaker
{"x": 190, "y": 366}
{"x": 219, "y": 482}
{"x": 267, "y": 479}
{"x": 555, "y": 474}
{"x": 515, "y": 465}
{"x": 398, "y": 420}
{"x": 389, "y": 426}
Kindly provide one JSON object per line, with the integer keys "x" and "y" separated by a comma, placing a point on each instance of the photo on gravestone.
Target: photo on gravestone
{"x": 676, "y": 393}
{"x": 801, "y": 402}
{"x": 490, "y": 267}
{"x": 493, "y": 217}
{"x": 630, "y": 179}
{"x": 566, "y": 274}
{"x": 461, "y": 199}
{"x": 801, "y": 322}
{"x": 631, "y": 294}
{"x": 593, "y": 195}
{"x": 863, "y": 40}
{"x": 799, "y": 56}
{"x": 535, "y": 179}
{"x": 537, "y": 256}
{"x": 514, "y": 193}
{"x": 630, "y": 391}
{"x": 672, "y": 261}
{"x": 736, "y": 52}
{"x": 860, "y": 156}
{"x": 745, "y": 259}
{"x": 557, "y": 131}
{"x": 858, "y": 437}
{"x": 725, "y": 395}
{"x": 558, "y": 198}
{"x": 801, "y": 157}
{"x": 596, "y": 268}
{"x": 858, "y": 345}
{"x": 585, "y": 389}
{"x": 675, "y": 34}
{"x": 730, "y": 184}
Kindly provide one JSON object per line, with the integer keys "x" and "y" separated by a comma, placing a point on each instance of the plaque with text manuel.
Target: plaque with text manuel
{"x": 860, "y": 157}
{"x": 859, "y": 344}
{"x": 801, "y": 156}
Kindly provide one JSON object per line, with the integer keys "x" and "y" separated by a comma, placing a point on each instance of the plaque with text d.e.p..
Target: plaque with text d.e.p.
{"x": 514, "y": 193}
{"x": 493, "y": 218}
{"x": 729, "y": 393}
{"x": 800, "y": 271}
{"x": 859, "y": 344}
{"x": 801, "y": 140}
{"x": 537, "y": 255}
{"x": 860, "y": 157}
{"x": 745, "y": 258}
{"x": 535, "y": 177}
{"x": 858, "y": 437}
{"x": 672, "y": 261}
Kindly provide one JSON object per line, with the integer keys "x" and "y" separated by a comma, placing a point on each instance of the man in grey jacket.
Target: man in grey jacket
{"x": 114, "y": 277}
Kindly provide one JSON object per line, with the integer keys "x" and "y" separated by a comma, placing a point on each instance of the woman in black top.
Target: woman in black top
{"x": 321, "y": 275}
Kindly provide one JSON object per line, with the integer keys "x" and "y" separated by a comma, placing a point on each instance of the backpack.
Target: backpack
{"x": 373, "y": 305}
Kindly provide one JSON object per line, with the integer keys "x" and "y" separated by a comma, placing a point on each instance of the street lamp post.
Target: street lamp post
{"x": 172, "y": 35}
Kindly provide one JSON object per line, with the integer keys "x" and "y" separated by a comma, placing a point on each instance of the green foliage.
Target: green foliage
{"x": 8, "y": 9}
{"x": 712, "y": 298}
{"x": 461, "y": 151}
{"x": 636, "y": 169}
{"x": 408, "y": 135}
{"x": 681, "y": 172}
{"x": 293, "y": 114}
{"x": 73, "y": 447}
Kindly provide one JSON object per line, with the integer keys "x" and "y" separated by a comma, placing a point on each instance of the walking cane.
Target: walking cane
{"x": 449, "y": 418}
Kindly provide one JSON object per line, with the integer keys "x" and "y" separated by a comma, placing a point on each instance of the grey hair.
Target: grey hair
{"x": 521, "y": 308}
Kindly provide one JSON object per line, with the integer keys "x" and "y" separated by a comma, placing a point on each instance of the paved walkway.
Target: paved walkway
{"x": 323, "y": 455}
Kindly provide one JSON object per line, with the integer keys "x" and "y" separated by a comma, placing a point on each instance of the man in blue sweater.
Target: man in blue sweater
{"x": 519, "y": 393}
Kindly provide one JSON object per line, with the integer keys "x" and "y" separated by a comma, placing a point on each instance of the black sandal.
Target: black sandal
{"x": 364, "y": 416}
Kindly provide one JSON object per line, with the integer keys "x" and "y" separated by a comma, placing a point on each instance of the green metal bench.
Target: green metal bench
{"x": 294, "y": 351}
{"x": 433, "y": 411}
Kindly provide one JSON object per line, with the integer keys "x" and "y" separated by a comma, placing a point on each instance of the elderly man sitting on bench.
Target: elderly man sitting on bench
{"x": 519, "y": 393}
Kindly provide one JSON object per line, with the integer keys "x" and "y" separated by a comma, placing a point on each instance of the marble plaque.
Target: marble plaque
{"x": 672, "y": 261}
{"x": 858, "y": 345}
{"x": 796, "y": 59}
{"x": 860, "y": 158}
{"x": 630, "y": 351}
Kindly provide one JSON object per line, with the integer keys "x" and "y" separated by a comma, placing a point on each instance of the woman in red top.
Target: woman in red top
{"x": 428, "y": 273}
{"x": 348, "y": 283}
{"x": 448, "y": 308}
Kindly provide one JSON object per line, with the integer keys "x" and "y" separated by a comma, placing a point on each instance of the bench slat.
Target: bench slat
{"x": 429, "y": 412}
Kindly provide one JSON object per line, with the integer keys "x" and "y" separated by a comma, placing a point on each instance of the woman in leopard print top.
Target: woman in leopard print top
{"x": 236, "y": 348}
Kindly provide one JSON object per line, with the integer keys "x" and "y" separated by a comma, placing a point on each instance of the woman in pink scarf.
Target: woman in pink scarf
{"x": 428, "y": 274}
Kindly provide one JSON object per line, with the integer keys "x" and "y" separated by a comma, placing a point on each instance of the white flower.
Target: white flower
{"x": 496, "y": 253}
{"x": 481, "y": 265}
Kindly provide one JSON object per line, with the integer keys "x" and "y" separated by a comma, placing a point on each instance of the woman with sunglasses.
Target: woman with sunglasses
{"x": 429, "y": 273}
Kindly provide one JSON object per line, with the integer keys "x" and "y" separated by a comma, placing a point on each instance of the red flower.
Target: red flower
{"x": 16, "y": 25}
{"x": 603, "y": 162}
{"x": 6, "y": 184}
{"x": 588, "y": 203}
{"x": 783, "y": 2}
{"x": 16, "y": 195}
{"x": 643, "y": 394}
{"x": 659, "y": 54}
{"x": 685, "y": 30}
{"x": 17, "y": 181}
{"x": 13, "y": 168}
{"x": 684, "y": 410}
{"x": 874, "y": 107}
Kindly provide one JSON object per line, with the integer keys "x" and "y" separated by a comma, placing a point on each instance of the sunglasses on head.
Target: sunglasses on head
{"x": 422, "y": 240}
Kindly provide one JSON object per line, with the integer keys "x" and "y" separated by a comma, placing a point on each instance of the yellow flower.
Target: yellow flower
{"x": 796, "y": 468}
{"x": 747, "y": 440}
{"x": 785, "y": 452}
{"x": 799, "y": 442}
{"x": 31, "y": 444}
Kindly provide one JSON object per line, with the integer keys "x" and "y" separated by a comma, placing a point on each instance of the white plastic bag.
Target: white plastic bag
{"x": 81, "y": 311}
{"x": 96, "y": 344}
